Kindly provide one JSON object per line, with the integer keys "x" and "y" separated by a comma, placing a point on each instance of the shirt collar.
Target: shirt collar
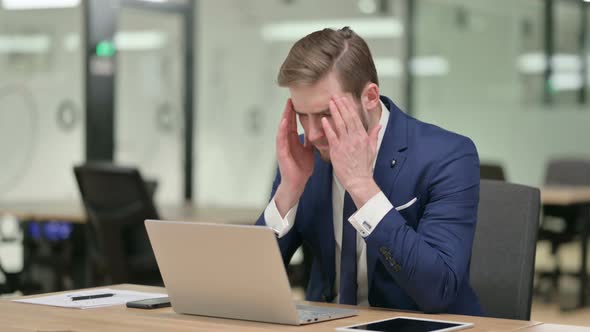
{"x": 383, "y": 122}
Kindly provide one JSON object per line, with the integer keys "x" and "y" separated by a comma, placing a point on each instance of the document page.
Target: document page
{"x": 88, "y": 299}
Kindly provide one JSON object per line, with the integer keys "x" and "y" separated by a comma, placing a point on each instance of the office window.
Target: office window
{"x": 490, "y": 85}
{"x": 239, "y": 103}
{"x": 41, "y": 103}
{"x": 566, "y": 80}
{"x": 149, "y": 90}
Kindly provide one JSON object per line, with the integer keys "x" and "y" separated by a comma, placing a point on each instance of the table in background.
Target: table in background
{"x": 74, "y": 212}
{"x": 574, "y": 196}
{"x": 61, "y": 254}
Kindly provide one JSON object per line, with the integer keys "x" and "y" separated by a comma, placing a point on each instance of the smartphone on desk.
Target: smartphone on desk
{"x": 160, "y": 302}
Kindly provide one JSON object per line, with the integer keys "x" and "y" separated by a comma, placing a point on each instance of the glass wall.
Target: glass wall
{"x": 478, "y": 71}
{"x": 149, "y": 98}
{"x": 41, "y": 103}
{"x": 490, "y": 86}
{"x": 239, "y": 103}
{"x": 566, "y": 80}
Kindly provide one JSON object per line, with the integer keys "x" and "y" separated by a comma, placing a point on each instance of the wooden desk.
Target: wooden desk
{"x": 575, "y": 197}
{"x": 555, "y": 328}
{"x": 45, "y": 210}
{"x": 74, "y": 212}
{"x": 28, "y": 317}
{"x": 565, "y": 195}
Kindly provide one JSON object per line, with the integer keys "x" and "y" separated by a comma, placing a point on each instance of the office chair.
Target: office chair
{"x": 491, "y": 171}
{"x": 117, "y": 202}
{"x": 565, "y": 172}
{"x": 503, "y": 257}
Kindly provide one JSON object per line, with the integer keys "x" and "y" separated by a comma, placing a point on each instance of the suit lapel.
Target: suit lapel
{"x": 390, "y": 160}
{"x": 324, "y": 220}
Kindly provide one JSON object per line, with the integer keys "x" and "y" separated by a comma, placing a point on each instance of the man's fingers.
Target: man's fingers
{"x": 288, "y": 107}
{"x": 330, "y": 134}
{"x": 291, "y": 117}
{"x": 282, "y": 141}
{"x": 349, "y": 113}
{"x": 281, "y": 134}
{"x": 340, "y": 126}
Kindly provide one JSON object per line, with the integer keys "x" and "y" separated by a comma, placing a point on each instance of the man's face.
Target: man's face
{"x": 311, "y": 103}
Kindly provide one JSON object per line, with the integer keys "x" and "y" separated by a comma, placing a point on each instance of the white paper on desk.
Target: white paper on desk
{"x": 65, "y": 300}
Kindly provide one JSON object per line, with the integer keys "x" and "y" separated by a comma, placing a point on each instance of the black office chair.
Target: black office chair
{"x": 503, "y": 257}
{"x": 117, "y": 202}
{"x": 491, "y": 171}
{"x": 559, "y": 224}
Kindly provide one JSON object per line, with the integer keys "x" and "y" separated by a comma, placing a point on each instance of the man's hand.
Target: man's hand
{"x": 352, "y": 149}
{"x": 295, "y": 161}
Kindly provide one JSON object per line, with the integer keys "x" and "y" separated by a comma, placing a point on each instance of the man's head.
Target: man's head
{"x": 326, "y": 64}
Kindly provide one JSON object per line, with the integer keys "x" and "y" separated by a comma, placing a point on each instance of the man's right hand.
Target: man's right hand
{"x": 295, "y": 162}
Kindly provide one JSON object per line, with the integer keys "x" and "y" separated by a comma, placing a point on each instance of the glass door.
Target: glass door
{"x": 149, "y": 90}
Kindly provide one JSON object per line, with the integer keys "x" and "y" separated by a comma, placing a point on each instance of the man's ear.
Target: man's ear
{"x": 370, "y": 96}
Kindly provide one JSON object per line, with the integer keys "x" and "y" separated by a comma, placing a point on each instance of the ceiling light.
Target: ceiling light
{"x": 388, "y": 67}
{"x": 139, "y": 40}
{"x": 430, "y": 66}
{"x": 386, "y": 27}
{"x": 24, "y": 43}
{"x": 367, "y": 6}
{"x": 38, "y": 4}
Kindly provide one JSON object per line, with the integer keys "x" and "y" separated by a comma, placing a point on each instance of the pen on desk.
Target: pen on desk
{"x": 90, "y": 297}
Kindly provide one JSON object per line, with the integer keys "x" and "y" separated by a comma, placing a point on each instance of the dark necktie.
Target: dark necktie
{"x": 348, "y": 284}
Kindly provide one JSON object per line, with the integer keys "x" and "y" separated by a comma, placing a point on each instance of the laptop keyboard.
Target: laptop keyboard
{"x": 309, "y": 313}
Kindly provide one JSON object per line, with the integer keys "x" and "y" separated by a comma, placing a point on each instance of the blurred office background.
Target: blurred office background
{"x": 510, "y": 74}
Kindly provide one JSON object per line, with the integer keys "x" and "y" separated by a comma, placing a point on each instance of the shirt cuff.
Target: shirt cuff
{"x": 273, "y": 218}
{"x": 366, "y": 219}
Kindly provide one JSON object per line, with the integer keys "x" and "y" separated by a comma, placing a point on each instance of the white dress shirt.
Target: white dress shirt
{"x": 364, "y": 220}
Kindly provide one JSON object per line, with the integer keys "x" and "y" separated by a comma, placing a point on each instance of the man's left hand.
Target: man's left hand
{"x": 352, "y": 149}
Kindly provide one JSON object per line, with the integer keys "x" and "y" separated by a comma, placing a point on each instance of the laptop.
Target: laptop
{"x": 229, "y": 271}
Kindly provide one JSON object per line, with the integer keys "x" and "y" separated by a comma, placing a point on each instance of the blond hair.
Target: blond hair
{"x": 315, "y": 55}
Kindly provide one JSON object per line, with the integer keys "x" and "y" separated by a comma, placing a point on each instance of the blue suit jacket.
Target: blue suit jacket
{"x": 417, "y": 258}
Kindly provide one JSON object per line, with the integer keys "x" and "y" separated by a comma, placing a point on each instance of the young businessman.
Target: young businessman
{"x": 387, "y": 203}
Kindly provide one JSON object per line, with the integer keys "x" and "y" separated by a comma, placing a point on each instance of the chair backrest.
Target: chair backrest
{"x": 503, "y": 258}
{"x": 568, "y": 171}
{"x": 490, "y": 171}
{"x": 117, "y": 203}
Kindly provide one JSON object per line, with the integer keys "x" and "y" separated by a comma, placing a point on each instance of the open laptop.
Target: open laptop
{"x": 229, "y": 271}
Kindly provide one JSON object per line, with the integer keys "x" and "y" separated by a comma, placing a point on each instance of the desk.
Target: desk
{"x": 27, "y": 317}
{"x": 74, "y": 212}
{"x": 574, "y": 196}
{"x": 565, "y": 195}
{"x": 555, "y": 328}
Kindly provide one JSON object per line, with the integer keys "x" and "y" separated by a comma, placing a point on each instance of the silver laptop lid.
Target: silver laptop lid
{"x": 230, "y": 271}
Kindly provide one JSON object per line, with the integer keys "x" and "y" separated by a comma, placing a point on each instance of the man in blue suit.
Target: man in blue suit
{"x": 387, "y": 204}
